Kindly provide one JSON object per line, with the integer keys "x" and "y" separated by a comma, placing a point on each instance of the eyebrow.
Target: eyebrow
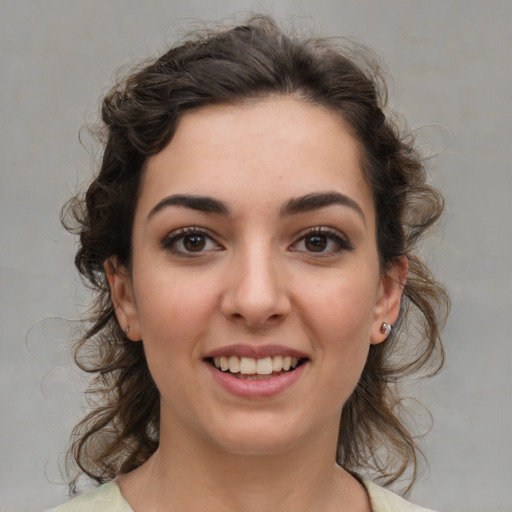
{"x": 315, "y": 201}
{"x": 293, "y": 206}
{"x": 199, "y": 203}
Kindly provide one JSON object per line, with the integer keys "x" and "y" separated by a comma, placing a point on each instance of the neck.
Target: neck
{"x": 193, "y": 475}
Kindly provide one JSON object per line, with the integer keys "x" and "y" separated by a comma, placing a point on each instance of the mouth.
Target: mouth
{"x": 249, "y": 368}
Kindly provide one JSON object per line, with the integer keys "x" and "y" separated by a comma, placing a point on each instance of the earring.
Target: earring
{"x": 127, "y": 330}
{"x": 386, "y": 328}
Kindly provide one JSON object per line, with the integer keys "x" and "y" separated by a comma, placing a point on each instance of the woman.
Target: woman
{"x": 250, "y": 238}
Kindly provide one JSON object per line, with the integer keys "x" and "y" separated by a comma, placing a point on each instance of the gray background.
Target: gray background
{"x": 451, "y": 65}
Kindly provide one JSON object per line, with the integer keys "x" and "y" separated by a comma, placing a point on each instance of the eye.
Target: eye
{"x": 322, "y": 241}
{"x": 190, "y": 241}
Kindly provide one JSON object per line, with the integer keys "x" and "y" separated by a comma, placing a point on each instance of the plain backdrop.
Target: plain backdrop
{"x": 452, "y": 80}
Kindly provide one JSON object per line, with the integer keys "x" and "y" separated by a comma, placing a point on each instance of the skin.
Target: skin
{"x": 255, "y": 277}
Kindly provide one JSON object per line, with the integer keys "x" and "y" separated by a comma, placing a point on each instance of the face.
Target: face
{"x": 255, "y": 282}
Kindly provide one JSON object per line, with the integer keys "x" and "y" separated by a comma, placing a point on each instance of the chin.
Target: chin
{"x": 259, "y": 438}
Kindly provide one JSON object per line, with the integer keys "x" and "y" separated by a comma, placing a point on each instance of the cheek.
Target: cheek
{"x": 338, "y": 315}
{"x": 341, "y": 304}
{"x": 173, "y": 311}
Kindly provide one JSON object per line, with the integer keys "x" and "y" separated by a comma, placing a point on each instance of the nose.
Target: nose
{"x": 256, "y": 293}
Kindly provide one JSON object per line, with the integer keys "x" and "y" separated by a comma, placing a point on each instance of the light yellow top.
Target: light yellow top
{"x": 108, "y": 498}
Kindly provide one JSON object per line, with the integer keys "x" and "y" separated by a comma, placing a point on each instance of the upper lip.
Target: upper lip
{"x": 256, "y": 352}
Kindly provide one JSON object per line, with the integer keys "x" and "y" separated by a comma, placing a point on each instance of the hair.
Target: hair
{"x": 140, "y": 115}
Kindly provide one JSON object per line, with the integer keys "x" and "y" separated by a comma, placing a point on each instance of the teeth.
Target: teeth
{"x": 253, "y": 377}
{"x": 251, "y": 366}
{"x": 247, "y": 365}
{"x": 277, "y": 363}
{"x": 234, "y": 364}
{"x": 264, "y": 366}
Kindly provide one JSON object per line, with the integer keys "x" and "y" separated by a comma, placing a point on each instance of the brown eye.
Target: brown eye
{"x": 194, "y": 243}
{"x": 322, "y": 241}
{"x": 316, "y": 243}
{"x": 190, "y": 241}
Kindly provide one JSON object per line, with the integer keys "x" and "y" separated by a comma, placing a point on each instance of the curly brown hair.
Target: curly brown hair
{"x": 140, "y": 116}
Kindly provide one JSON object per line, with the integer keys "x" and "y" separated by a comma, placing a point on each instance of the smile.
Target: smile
{"x": 252, "y": 368}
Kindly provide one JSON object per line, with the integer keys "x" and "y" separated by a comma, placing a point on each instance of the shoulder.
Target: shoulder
{"x": 383, "y": 500}
{"x": 107, "y": 495}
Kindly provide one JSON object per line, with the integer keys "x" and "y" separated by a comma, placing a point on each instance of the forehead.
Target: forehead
{"x": 273, "y": 148}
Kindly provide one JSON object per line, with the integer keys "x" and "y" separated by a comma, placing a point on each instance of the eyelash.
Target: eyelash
{"x": 342, "y": 243}
{"x": 170, "y": 241}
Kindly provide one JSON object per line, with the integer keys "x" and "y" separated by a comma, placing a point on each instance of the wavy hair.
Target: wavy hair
{"x": 140, "y": 114}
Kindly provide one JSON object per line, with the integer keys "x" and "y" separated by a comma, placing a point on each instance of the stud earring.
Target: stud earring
{"x": 127, "y": 330}
{"x": 386, "y": 328}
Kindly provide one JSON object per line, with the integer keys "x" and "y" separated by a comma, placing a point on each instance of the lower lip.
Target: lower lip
{"x": 262, "y": 388}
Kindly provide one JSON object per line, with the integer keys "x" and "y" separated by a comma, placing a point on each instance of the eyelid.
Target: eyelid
{"x": 169, "y": 241}
{"x": 342, "y": 241}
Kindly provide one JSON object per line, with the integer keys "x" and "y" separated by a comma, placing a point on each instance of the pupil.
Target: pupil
{"x": 316, "y": 243}
{"x": 194, "y": 243}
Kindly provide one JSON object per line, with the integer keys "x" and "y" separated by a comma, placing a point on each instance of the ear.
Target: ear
{"x": 389, "y": 296}
{"x": 121, "y": 291}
